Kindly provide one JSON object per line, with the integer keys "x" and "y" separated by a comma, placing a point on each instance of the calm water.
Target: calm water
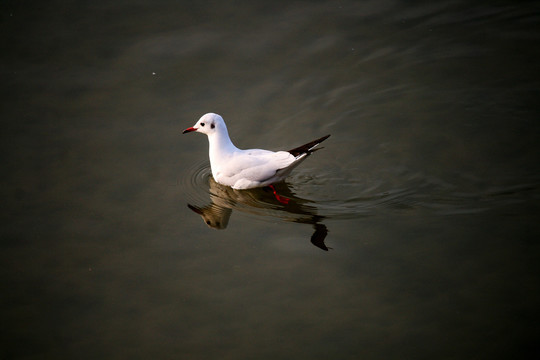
{"x": 426, "y": 197}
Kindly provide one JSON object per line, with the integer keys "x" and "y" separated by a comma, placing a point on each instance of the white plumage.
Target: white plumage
{"x": 246, "y": 169}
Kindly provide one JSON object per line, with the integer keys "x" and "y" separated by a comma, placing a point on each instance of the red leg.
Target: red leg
{"x": 279, "y": 198}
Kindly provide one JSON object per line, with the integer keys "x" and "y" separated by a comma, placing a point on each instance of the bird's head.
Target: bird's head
{"x": 208, "y": 124}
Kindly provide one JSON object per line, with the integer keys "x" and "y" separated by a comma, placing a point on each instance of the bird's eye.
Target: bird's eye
{"x": 212, "y": 126}
{"x": 202, "y": 124}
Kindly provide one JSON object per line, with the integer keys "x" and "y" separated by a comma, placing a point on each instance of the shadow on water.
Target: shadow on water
{"x": 260, "y": 201}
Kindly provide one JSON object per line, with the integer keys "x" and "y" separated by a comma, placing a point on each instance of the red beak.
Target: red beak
{"x": 190, "y": 129}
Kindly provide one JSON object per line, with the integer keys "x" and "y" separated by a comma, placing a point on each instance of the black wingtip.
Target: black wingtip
{"x": 324, "y": 138}
{"x": 307, "y": 148}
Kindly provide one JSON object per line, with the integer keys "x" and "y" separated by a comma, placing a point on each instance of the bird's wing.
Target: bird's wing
{"x": 258, "y": 165}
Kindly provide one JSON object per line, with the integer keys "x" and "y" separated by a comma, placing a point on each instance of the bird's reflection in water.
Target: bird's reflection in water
{"x": 261, "y": 201}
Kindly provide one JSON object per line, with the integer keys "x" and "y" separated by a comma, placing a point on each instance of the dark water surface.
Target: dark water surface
{"x": 427, "y": 193}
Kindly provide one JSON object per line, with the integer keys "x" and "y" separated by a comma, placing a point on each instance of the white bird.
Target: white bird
{"x": 246, "y": 169}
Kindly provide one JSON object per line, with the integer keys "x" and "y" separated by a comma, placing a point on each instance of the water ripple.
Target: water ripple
{"x": 326, "y": 195}
{"x": 196, "y": 185}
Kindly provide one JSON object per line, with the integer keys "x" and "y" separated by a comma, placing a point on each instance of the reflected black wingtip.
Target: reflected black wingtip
{"x": 319, "y": 235}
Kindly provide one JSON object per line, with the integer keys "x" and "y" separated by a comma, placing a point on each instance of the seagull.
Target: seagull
{"x": 247, "y": 169}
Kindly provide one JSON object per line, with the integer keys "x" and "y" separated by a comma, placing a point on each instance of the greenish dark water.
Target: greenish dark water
{"x": 426, "y": 195}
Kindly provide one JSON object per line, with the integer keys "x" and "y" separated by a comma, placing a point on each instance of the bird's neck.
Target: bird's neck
{"x": 220, "y": 145}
